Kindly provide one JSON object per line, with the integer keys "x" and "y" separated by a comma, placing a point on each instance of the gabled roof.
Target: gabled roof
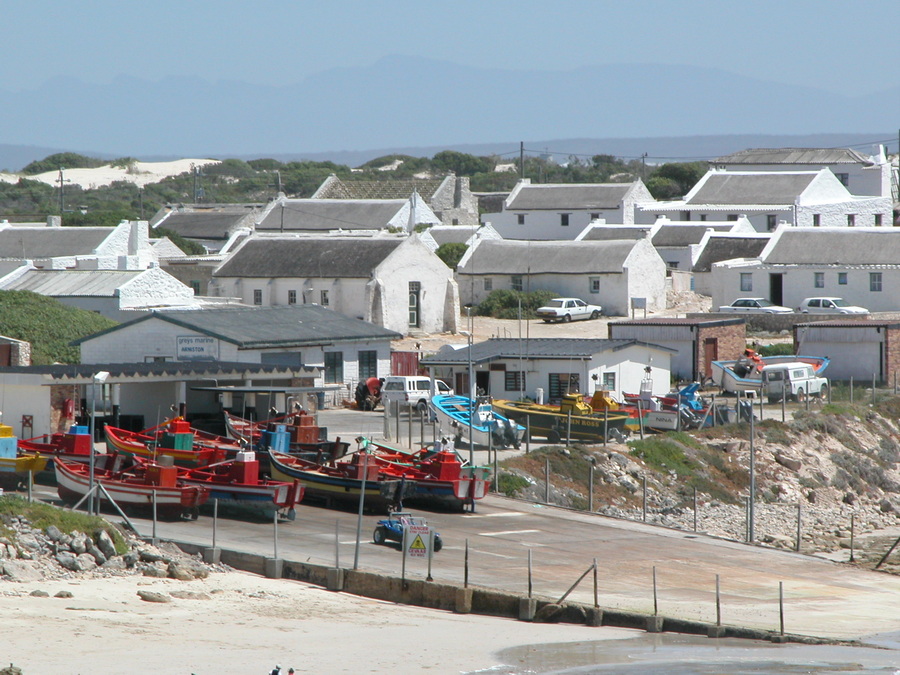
{"x": 37, "y": 243}
{"x": 260, "y": 327}
{"x": 324, "y": 215}
{"x": 547, "y": 257}
{"x": 835, "y": 245}
{"x": 727, "y": 247}
{"x": 608, "y": 232}
{"x": 685, "y": 235}
{"x": 812, "y": 156}
{"x": 322, "y": 257}
{"x": 73, "y": 283}
{"x": 338, "y": 188}
{"x": 213, "y": 223}
{"x": 451, "y": 234}
{"x": 542, "y": 348}
{"x": 775, "y": 188}
{"x": 681, "y": 321}
{"x": 569, "y": 197}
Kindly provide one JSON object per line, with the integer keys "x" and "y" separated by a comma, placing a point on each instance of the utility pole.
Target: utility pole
{"x": 644, "y": 167}
{"x": 521, "y": 159}
{"x": 62, "y": 181}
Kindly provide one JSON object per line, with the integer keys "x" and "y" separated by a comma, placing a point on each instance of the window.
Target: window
{"x": 685, "y": 215}
{"x": 844, "y": 178}
{"x": 514, "y": 380}
{"x": 732, "y": 217}
{"x": 609, "y": 381}
{"x": 877, "y": 220}
{"x": 746, "y": 281}
{"x": 875, "y": 282}
{"x": 564, "y": 219}
{"x": 771, "y": 221}
{"x": 323, "y": 298}
{"x": 819, "y": 279}
{"x": 257, "y": 296}
{"x": 702, "y": 217}
{"x": 594, "y": 284}
{"x": 368, "y": 364}
{"x": 455, "y": 221}
{"x": 292, "y": 297}
{"x": 562, "y": 383}
{"x": 415, "y": 291}
{"x": 520, "y": 218}
{"x": 516, "y": 282}
{"x": 489, "y": 285}
{"x": 595, "y": 216}
{"x": 195, "y": 285}
{"x": 851, "y": 219}
{"x": 817, "y": 219}
{"x": 334, "y": 367}
{"x": 842, "y": 278}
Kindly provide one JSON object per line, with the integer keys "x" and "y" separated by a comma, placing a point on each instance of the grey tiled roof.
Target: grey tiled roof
{"x": 323, "y": 215}
{"x": 389, "y": 189}
{"x": 763, "y": 188}
{"x": 813, "y": 156}
{"x": 572, "y": 197}
{"x": 548, "y": 257}
{"x": 73, "y": 283}
{"x": 326, "y": 257}
{"x": 545, "y": 348}
{"x": 683, "y": 235}
{"x": 681, "y": 321}
{"x": 840, "y": 245}
{"x": 51, "y": 242}
{"x": 117, "y": 371}
{"x": 608, "y": 232}
{"x": 718, "y": 249}
{"x": 204, "y": 224}
{"x": 258, "y": 327}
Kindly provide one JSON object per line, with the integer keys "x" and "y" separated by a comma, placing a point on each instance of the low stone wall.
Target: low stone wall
{"x": 776, "y": 323}
{"x": 488, "y": 602}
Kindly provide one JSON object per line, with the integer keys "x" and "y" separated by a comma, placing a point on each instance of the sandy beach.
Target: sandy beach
{"x": 244, "y": 624}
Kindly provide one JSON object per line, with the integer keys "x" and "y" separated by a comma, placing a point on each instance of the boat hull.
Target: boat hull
{"x": 460, "y": 416}
{"x": 727, "y": 374}
{"x": 547, "y": 423}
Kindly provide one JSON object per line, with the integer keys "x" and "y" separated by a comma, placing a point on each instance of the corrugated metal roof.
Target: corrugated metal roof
{"x": 812, "y": 156}
{"x": 545, "y": 257}
{"x": 327, "y": 257}
{"x": 73, "y": 283}
{"x": 258, "y": 327}
{"x": 547, "y": 348}
{"x": 773, "y": 188}
{"x": 38, "y": 243}
{"x": 569, "y": 197}
{"x": 839, "y": 245}
{"x": 323, "y": 215}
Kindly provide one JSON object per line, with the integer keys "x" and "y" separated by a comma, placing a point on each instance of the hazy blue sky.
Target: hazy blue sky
{"x": 829, "y": 44}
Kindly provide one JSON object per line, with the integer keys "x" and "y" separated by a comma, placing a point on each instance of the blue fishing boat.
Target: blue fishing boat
{"x": 462, "y": 416}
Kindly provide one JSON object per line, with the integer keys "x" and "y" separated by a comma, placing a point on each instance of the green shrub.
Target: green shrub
{"x": 504, "y": 304}
{"x": 511, "y": 484}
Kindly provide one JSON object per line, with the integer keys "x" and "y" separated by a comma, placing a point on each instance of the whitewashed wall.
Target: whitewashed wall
{"x": 24, "y": 395}
{"x": 854, "y": 352}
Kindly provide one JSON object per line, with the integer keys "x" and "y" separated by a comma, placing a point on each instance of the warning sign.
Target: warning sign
{"x": 418, "y": 537}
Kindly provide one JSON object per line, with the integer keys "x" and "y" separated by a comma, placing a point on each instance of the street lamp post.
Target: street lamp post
{"x": 99, "y": 377}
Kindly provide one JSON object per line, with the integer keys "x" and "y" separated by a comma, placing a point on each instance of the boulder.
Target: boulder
{"x": 105, "y": 543}
{"x": 53, "y": 533}
{"x": 67, "y": 560}
{"x": 187, "y": 570}
{"x": 38, "y": 593}
{"x": 116, "y": 564}
{"x": 78, "y": 543}
{"x": 189, "y": 595}
{"x": 152, "y": 555}
{"x": 549, "y": 613}
{"x": 151, "y": 570}
{"x": 20, "y": 571}
{"x": 64, "y": 594}
{"x": 85, "y": 562}
{"x": 151, "y": 596}
{"x": 130, "y": 559}
{"x": 96, "y": 554}
{"x": 788, "y": 462}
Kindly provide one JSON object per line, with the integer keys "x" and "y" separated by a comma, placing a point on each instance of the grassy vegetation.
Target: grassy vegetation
{"x": 664, "y": 453}
{"x": 511, "y": 484}
{"x": 503, "y": 304}
{"x": 48, "y": 325}
{"x": 42, "y": 515}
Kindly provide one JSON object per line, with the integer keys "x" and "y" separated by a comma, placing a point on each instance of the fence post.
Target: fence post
{"x": 596, "y": 596}
{"x": 527, "y": 434}
{"x": 718, "y": 603}
{"x": 568, "y": 428}
{"x": 655, "y": 603}
{"x": 695, "y": 509}
{"x": 851, "y": 389}
{"x": 873, "y": 389}
{"x": 605, "y": 426}
{"x": 852, "y": 534}
{"x": 530, "y": 578}
{"x": 781, "y": 605}
{"x": 799, "y": 509}
{"x": 465, "y": 566}
{"x": 591, "y": 488}
{"x": 547, "y": 480}
{"x": 644, "y": 500}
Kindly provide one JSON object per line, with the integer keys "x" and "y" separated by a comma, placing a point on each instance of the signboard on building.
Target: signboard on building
{"x": 196, "y": 348}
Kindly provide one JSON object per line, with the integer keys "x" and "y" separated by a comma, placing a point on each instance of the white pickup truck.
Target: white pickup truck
{"x": 794, "y": 380}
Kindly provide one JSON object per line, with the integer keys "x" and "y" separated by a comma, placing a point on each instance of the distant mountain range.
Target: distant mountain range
{"x": 418, "y": 106}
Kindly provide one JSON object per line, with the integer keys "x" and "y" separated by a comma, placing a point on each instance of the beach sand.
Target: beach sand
{"x": 244, "y": 624}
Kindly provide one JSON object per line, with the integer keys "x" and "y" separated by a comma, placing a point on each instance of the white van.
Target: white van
{"x": 798, "y": 380}
{"x": 413, "y": 391}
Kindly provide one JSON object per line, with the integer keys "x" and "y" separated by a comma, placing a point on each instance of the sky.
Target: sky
{"x": 833, "y": 45}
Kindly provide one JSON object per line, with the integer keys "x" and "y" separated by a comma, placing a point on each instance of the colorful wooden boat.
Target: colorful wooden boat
{"x": 304, "y": 435}
{"x": 342, "y": 482}
{"x": 12, "y": 460}
{"x": 74, "y": 445}
{"x": 238, "y": 483}
{"x": 174, "y": 438}
{"x": 573, "y": 419}
{"x": 129, "y": 484}
{"x": 461, "y": 416}
{"x": 440, "y": 477}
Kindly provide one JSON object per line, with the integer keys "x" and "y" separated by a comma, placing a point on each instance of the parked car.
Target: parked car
{"x": 794, "y": 380}
{"x": 413, "y": 391}
{"x": 391, "y": 529}
{"x": 755, "y": 306}
{"x": 829, "y": 306}
{"x": 568, "y": 309}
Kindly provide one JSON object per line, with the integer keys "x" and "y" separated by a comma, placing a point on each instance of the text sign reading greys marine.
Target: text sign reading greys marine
{"x": 196, "y": 348}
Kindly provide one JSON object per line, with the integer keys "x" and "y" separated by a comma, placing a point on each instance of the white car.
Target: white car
{"x": 755, "y": 306}
{"x": 829, "y": 306}
{"x": 568, "y": 309}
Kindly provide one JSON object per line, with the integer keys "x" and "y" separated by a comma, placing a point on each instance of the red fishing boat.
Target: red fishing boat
{"x": 175, "y": 438}
{"x": 304, "y": 435}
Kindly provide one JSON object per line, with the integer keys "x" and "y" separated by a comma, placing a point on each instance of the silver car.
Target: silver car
{"x": 755, "y": 306}
{"x": 829, "y": 306}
